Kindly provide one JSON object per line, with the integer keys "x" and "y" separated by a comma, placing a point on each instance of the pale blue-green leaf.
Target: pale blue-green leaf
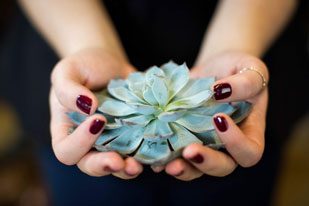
{"x": 191, "y": 101}
{"x": 141, "y": 120}
{"x": 112, "y": 125}
{"x": 153, "y": 152}
{"x": 136, "y": 83}
{"x": 160, "y": 91}
{"x": 216, "y": 146}
{"x": 164, "y": 130}
{"x": 196, "y": 123}
{"x": 171, "y": 116}
{"x": 116, "y": 108}
{"x": 149, "y": 97}
{"x": 109, "y": 118}
{"x": 108, "y": 135}
{"x": 177, "y": 77}
{"x": 128, "y": 141}
{"x": 102, "y": 95}
{"x": 182, "y": 137}
{"x": 119, "y": 89}
{"x": 211, "y": 139}
{"x": 144, "y": 108}
{"x": 208, "y": 137}
{"x": 153, "y": 72}
{"x": 242, "y": 111}
{"x": 157, "y": 130}
{"x": 195, "y": 86}
{"x": 213, "y": 108}
{"x": 115, "y": 83}
{"x": 169, "y": 67}
{"x": 76, "y": 117}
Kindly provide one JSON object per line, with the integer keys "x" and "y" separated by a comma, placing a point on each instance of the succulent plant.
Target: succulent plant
{"x": 152, "y": 116}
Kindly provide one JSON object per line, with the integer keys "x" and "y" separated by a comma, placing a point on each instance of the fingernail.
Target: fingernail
{"x": 96, "y": 126}
{"x": 108, "y": 169}
{"x": 222, "y": 91}
{"x": 84, "y": 103}
{"x": 197, "y": 159}
{"x": 221, "y": 123}
{"x": 179, "y": 173}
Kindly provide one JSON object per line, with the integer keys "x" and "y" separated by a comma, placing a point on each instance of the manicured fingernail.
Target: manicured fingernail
{"x": 221, "y": 123}
{"x": 108, "y": 169}
{"x": 222, "y": 91}
{"x": 84, "y": 103}
{"x": 96, "y": 126}
{"x": 197, "y": 159}
{"x": 179, "y": 173}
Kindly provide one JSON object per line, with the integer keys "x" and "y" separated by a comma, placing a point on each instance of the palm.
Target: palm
{"x": 76, "y": 76}
{"x": 244, "y": 143}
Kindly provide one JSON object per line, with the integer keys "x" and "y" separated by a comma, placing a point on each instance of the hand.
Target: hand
{"x": 73, "y": 78}
{"x": 244, "y": 143}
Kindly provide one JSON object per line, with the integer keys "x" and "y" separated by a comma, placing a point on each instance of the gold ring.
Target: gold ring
{"x": 264, "y": 82}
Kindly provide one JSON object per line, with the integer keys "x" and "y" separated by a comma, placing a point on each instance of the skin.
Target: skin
{"x": 83, "y": 36}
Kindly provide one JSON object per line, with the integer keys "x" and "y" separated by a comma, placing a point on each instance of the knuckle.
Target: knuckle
{"x": 252, "y": 159}
{"x": 62, "y": 157}
{"x": 64, "y": 160}
{"x": 60, "y": 68}
{"x": 55, "y": 72}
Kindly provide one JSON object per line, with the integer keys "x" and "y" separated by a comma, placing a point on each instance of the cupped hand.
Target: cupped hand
{"x": 244, "y": 143}
{"x": 73, "y": 79}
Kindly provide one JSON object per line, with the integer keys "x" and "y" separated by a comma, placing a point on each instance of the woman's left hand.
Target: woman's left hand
{"x": 245, "y": 142}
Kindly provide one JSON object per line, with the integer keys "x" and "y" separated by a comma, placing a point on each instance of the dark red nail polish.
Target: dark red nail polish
{"x": 197, "y": 159}
{"x": 84, "y": 103}
{"x": 221, "y": 123}
{"x": 179, "y": 173}
{"x": 222, "y": 91}
{"x": 96, "y": 126}
{"x": 108, "y": 169}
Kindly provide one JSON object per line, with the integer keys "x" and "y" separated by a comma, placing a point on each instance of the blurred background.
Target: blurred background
{"x": 20, "y": 178}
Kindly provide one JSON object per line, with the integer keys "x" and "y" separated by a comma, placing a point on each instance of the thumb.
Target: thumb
{"x": 243, "y": 85}
{"x": 69, "y": 86}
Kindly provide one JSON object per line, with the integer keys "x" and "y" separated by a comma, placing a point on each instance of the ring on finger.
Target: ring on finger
{"x": 253, "y": 69}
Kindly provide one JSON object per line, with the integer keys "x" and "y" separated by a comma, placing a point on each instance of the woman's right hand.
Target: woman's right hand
{"x": 73, "y": 78}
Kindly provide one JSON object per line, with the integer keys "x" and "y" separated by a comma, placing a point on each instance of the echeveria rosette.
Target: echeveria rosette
{"x": 152, "y": 116}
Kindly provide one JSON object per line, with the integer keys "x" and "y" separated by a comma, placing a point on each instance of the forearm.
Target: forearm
{"x": 245, "y": 26}
{"x": 72, "y": 25}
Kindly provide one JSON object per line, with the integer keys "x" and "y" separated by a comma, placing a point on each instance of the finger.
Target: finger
{"x": 209, "y": 161}
{"x": 131, "y": 169}
{"x": 69, "y": 82}
{"x": 238, "y": 87}
{"x": 182, "y": 170}
{"x": 245, "y": 147}
{"x": 69, "y": 149}
{"x": 101, "y": 163}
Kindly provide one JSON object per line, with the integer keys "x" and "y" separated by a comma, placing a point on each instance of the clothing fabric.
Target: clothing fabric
{"x": 154, "y": 32}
